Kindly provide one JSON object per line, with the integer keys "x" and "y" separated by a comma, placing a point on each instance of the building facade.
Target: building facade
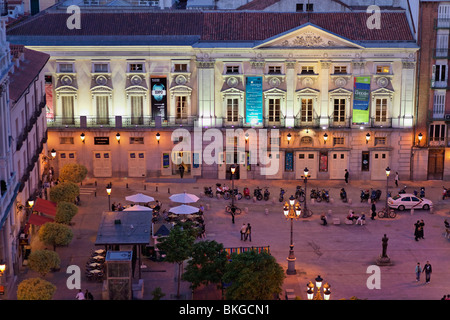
{"x": 311, "y": 91}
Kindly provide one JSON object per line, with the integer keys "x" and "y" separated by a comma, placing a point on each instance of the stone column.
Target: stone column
{"x": 206, "y": 90}
{"x": 324, "y": 99}
{"x": 290, "y": 94}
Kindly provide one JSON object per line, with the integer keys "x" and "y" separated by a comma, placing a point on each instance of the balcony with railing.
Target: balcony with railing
{"x": 441, "y": 53}
{"x": 306, "y": 121}
{"x": 442, "y": 23}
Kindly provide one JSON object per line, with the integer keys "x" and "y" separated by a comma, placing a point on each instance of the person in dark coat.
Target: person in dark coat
{"x": 346, "y": 176}
{"x": 374, "y": 211}
{"x": 416, "y": 230}
{"x": 427, "y": 270}
{"x": 181, "y": 169}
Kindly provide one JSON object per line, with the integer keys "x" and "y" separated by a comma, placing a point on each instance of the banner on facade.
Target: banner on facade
{"x": 159, "y": 97}
{"x": 254, "y": 101}
{"x": 361, "y": 100}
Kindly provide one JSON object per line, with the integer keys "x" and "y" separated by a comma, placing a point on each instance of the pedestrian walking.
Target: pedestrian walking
{"x": 232, "y": 211}
{"x": 248, "y": 233}
{"x": 416, "y": 230}
{"x": 80, "y": 295}
{"x": 243, "y": 229}
{"x": 421, "y": 229}
{"x": 418, "y": 271}
{"x": 396, "y": 179}
{"x": 88, "y": 295}
{"x": 346, "y": 176}
{"x": 113, "y": 206}
{"x": 181, "y": 169}
{"x": 374, "y": 210}
{"x": 427, "y": 269}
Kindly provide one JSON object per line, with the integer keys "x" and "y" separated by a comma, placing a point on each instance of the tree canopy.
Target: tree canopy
{"x": 64, "y": 191}
{"x": 43, "y": 261}
{"x": 65, "y": 211}
{"x": 72, "y": 172}
{"x": 55, "y": 234}
{"x": 35, "y": 289}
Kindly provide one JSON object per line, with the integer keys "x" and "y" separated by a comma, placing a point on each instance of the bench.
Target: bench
{"x": 336, "y": 221}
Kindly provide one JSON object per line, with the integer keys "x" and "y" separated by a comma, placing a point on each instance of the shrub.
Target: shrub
{"x": 43, "y": 261}
{"x": 65, "y": 211}
{"x": 64, "y": 191}
{"x": 72, "y": 172}
{"x": 35, "y": 289}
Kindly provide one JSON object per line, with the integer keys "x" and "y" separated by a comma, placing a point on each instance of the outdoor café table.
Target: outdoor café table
{"x": 95, "y": 271}
{"x": 99, "y": 251}
{"x": 95, "y": 264}
{"x": 98, "y": 258}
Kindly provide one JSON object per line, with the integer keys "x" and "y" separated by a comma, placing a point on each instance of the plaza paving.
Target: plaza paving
{"x": 341, "y": 254}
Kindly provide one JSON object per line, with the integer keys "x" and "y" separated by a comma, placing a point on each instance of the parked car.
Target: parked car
{"x": 408, "y": 201}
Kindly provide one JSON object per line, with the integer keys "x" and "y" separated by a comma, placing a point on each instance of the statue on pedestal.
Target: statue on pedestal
{"x": 384, "y": 259}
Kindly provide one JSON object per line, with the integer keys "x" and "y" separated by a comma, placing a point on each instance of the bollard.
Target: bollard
{"x": 95, "y": 183}
{"x": 145, "y": 187}
{"x": 349, "y": 201}
{"x": 246, "y": 209}
{"x": 168, "y": 190}
{"x": 267, "y": 211}
{"x": 273, "y": 200}
{"x": 312, "y": 200}
{"x": 156, "y": 189}
{"x": 127, "y": 185}
{"x": 95, "y": 194}
{"x": 329, "y": 212}
{"x": 254, "y": 199}
{"x": 207, "y": 206}
{"x": 331, "y": 200}
{"x": 412, "y": 211}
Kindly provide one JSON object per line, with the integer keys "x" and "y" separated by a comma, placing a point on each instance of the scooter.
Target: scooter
{"x": 325, "y": 195}
{"x": 266, "y": 194}
{"x": 258, "y": 193}
{"x": 235, "y": 193}
{"x": 282, "y": 192}
{"x": 364, "y": 195}
{"x": 315, "y": 194}
{"x": 343, "y": 195}
{"x": 375, "y": 195}
{"x": 208, "y": 192}
{"x": 223, "y": 191}
{"x": 300, "y": 194}
{"x": 247, "y": 193}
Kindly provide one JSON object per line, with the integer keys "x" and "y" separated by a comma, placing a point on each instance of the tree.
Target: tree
{"x": 253, "y": 276}
{"x": 158, "y": 294}
{"x": 55, "y": 234}
{"x": 65, "y": 191}
{"x": 65, "y": 211}
{"x": 177, "y": 247}
{"x": 35, "y": 289}
{"x": 72, "y": 172}
{"x": 207, "y": 264}
{"x": 43, "y": 261}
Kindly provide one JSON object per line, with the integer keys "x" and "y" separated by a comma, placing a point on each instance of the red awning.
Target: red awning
{"x": 38, "y": 220}
{"x": 45, "y": 206}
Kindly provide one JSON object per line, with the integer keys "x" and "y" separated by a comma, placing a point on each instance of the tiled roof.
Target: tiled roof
{"x": 29, "y": 68}
{"x": 216, "y": 25}
{"x": 257, "y": 4}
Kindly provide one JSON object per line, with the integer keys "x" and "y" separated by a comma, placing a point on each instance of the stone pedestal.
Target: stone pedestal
{"x": 384, "y": 261}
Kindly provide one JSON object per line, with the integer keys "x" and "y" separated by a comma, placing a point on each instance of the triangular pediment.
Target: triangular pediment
{"x": 308, "y": 36}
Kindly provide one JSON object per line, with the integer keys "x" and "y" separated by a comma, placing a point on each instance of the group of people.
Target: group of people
{"x": 418, "y": 230}
{"x": 246, "y": 232}
{"x": 87, "y": 295}
{"x": 426, "y": 268}
{"x": 359, "y": 219}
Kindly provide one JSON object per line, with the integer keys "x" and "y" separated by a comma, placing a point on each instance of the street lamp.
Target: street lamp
{"x": 2, "y": 270}
{"x": 310, "y": 290}
{"x": 82, "y": 137}
{"x": 53, "y": 153}
{"x": 388, "y": 171}
{"x": 305, "y": 175}
{"x": 118, "y": 137}
{"x": 291, "y": 211}
{"x": 367, "y": 138}
{"x": 246, "y": 137}
{"x": 158, "y": 136}
{"x": 325, "y": 138}
{"x": 233, "y": 171}
{"x": 289, "y": 137}
{"x": 420, "y": 136}
{"x": 108, "y": 191}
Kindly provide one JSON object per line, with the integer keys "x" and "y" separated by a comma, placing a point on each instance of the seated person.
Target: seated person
{"x": 324, "y": 219}
{"x": 361, "y": 219}
{"x": 351, "y": 216}
{"x": 447, "y": 225}
{"x": 157, "y": 206}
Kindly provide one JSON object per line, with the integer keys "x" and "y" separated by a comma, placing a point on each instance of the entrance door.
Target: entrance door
{"x": 183, "y": 158}
{"x": 136, "y": 164}
{"x": 435, "y": 164}
{"x": 306, "y": 159}
{"x": 380, "y": 161}
{"x": 338, "y": 164}
{"x": 102, "y": 164}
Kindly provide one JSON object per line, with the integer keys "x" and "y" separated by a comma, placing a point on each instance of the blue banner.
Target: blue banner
{"x": 254, "y": 100}
{"x": 361, "y": 100}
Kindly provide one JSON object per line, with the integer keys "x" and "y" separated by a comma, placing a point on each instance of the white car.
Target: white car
{"x": 409, "y": 201}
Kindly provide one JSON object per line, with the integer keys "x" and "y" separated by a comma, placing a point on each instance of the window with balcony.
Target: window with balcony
{"x": 381, "y": 106}
{"x": 339, "y": 111}
{"x": 102, "y": 108}
{"x": 274, "y": 110}
{"x": 181, "y": 108}
{"x": 306, "y": 110}
{"x": 439, "y": 104}
{"x": 67, "y": 107}
{"x": 137, "y": 109}
{"x": 232, "y": 109}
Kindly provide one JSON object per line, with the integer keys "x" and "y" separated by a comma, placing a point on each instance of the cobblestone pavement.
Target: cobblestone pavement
{"x": 341, "y": 254}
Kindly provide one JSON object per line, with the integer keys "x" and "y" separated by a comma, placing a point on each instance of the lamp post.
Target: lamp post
{"x": 158, "y": 136}
{"x": 53, "y": 153}
{"x": 291, "y": 211}
{"x": 108, "y": 191}
{"x": 233, "y": 170}
{"x": 318, "y": 296}
{"x": 82, "y": 137}
{"x": 388, "y": 171}
{"x": 325, "y": 138}
{"x": 118, "y": 137}
{"x": 367, "y": 138}
{"x": 420, "y": 136}
{"x": 289, "y": 136}
{"x": 305, "y": 175}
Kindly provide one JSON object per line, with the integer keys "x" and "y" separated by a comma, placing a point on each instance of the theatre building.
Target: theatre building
{"x": 341, "y": 94}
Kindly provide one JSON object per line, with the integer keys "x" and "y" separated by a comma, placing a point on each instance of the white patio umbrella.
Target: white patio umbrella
{"x": 184, "y": 197}
{"x": 137, "y": 208}
{"x": 184, "y": 209}
{"x": 140, "y": 198}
